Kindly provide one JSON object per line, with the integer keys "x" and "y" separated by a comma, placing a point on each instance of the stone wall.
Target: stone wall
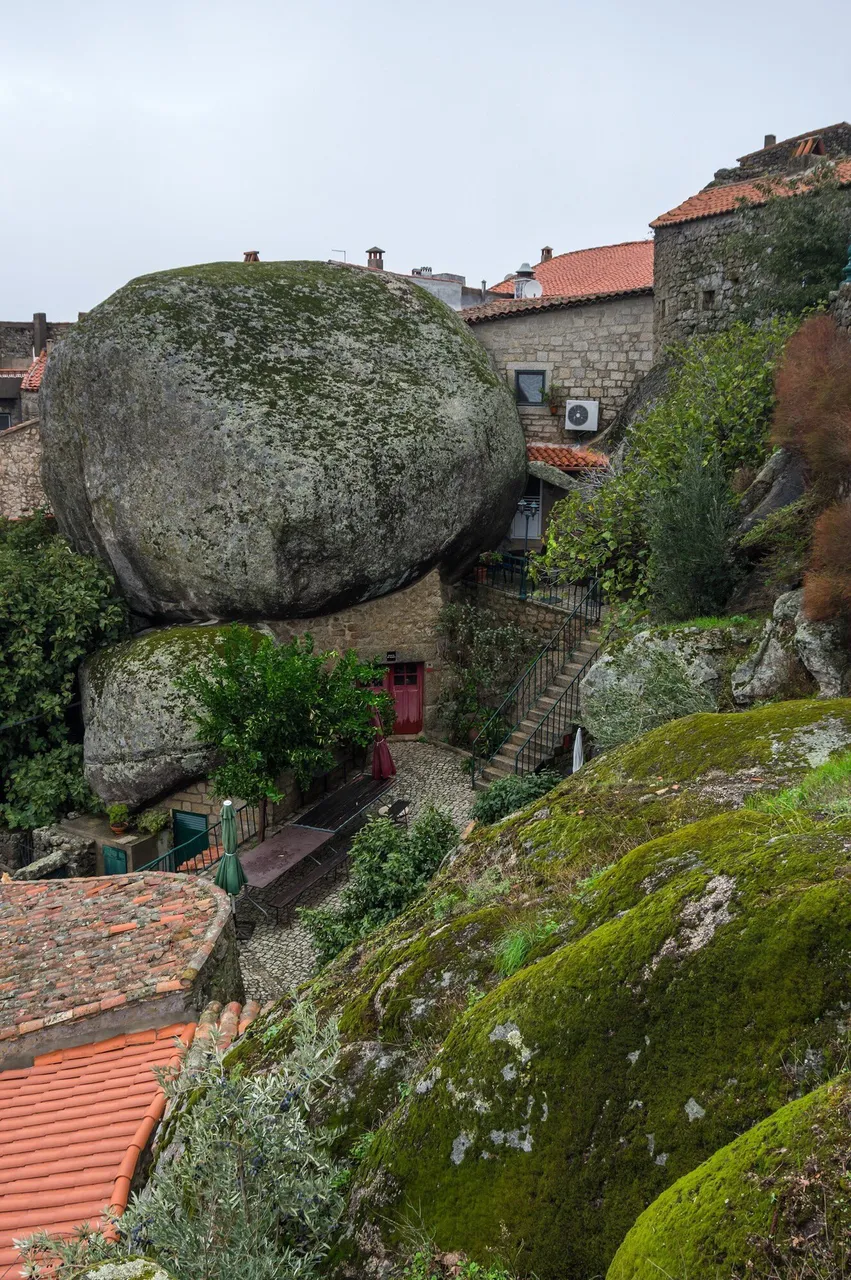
{"x": 18, "y": 338}
{"x": 404, "y": 623}
{"x": 598, "y": 351}
{"x": 539, "y": 620}
{"x": 700, "y": 283}
{"x": 21, "y": 491}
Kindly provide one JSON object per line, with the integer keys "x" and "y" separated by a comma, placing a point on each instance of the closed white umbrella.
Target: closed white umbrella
{"x": 578, "y": 751}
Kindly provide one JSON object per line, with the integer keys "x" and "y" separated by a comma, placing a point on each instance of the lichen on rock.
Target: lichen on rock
{"x": 140, "y": 733}
{"x": 276, "y": 439}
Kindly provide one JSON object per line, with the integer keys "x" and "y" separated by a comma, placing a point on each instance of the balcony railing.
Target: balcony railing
{"x": 203, "y": 850}
{"x": 514, "y": 575}
{"x": 556, "y": 725}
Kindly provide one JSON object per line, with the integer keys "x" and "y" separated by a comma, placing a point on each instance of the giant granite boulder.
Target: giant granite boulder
{"x": 140, "y": 738}
{"x": 276, "y": 439}
{"x": 794, "y": 654}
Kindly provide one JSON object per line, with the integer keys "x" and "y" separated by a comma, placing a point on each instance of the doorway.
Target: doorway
{"x": 404, "y": 683}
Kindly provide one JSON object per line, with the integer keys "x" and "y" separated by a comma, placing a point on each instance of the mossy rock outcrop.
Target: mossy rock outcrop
{"x": 125, "y": 1269}
{"x": 140, "y": 734}
{"x": 773, "y": 1203}
{"x": 276, "y": 439}
{"x": 578, "y": 1090}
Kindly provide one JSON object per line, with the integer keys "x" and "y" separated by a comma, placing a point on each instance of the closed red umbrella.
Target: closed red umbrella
{"x": 382, "y": 761}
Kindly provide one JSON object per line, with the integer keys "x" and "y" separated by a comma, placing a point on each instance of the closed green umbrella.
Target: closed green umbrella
{"x": 229, "y": 873}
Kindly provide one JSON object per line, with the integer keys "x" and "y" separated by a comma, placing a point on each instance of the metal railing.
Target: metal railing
{"x": 537, "y": 677}
{"x": 554, "y": 727}
{"x": 203, "y": 850}
{"x": 514, "y": 575}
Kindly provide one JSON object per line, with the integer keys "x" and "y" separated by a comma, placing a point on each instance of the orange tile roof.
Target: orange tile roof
{"x": 73, "y": 1125}
{"x": 566, "y": 457}
{"x": 32, "y": 377}
{"x": 515, "y": 306}
{"x": 74, "y": 949}
{"x": 589, "y": 273}
{"x": 714, "y": 200}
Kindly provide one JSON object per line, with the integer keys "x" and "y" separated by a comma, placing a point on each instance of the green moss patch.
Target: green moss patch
{"x": 776, "y": 1202}
{"x": 575, "y": 1092}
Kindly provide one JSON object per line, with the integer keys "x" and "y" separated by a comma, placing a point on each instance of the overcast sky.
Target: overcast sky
{"x": 458, "y": 134}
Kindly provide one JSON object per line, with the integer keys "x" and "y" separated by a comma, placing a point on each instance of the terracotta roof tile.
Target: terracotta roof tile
{"x": 68, "y": 953}
{"x": 514, "y": 306}
{"x": 32, "y": 377}
{"x": 566, "y": 457}
{"x": 73, "y": 1125}
{"x": 608, "y": 271}
{"x": 714, "y": 200}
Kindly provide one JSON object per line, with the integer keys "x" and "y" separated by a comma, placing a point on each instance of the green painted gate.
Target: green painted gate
{"x": 190, "y": 835}
{"x": 114, "y": 861}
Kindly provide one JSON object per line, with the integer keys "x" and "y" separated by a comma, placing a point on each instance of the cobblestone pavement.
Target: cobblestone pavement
{"x": 276, "y": 958}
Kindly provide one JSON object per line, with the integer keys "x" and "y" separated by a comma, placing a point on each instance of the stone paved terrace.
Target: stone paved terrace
{"x": 83, "y": 958}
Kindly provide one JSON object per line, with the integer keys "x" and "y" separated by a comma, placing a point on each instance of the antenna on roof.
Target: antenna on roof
{"x": 342, "y": 251}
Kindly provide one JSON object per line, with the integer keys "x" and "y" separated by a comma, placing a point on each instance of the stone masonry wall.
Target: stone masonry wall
{"x": 539, "y": 620}
{"x": 595, "y": 352}
{"x": 700, "y": 283}
{"x": 404, "y": 623}
{"x": 21, "y": 491}
{"x": 842, "y": 307}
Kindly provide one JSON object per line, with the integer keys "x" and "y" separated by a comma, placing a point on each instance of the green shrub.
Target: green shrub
{"x": 152, "y": 821}
{"x": 427, "y": 1264}
{"x": 720, "y": 389}
{"x": 251, "y": 1192}
{"x": 118, "y": 814}
{"x": 660, "y": 689}
{"x": 691, "y": 570}
{"x": 482, "y": 659}
{"x": 389, "y": 868}
{"x": 55, "y": 608}
{"x": 509, "y": 794}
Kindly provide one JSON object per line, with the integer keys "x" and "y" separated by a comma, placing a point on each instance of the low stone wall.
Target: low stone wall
{"x": 21, "y": 491}
{"x": 842, "y": 307}
{"x": 540, "y": 620}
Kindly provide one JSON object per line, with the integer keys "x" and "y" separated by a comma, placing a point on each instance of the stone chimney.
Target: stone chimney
{"x": 251, "y": 255}
{"x": 547, "y": 253}
{"x": 39, "y": 333}
{"x": 770, "y": 140}
{"x": 375, "y": 258}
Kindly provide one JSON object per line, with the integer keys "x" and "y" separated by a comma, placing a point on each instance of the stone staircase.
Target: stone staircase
{"x": 505, "y": 760}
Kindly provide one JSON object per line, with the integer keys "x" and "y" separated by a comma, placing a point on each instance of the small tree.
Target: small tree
{"x": 691, "y": 570}
{"x": 266, "y": 708}
{"x": 795, "y": 245}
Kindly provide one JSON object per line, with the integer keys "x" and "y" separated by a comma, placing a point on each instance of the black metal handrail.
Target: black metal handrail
{"x": 537, "y": 677}
{"x": 203, "y": 850}
{"x": 561, "y": 718}
{"x": 512, "y": 574}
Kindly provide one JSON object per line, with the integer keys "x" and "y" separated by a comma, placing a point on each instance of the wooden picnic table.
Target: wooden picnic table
{"x": 301, "y": 839}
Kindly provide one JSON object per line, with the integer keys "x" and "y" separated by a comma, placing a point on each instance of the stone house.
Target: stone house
{"x": 573, "y": 354}
{"x": 699, "y": 286}
{"x": 553, "y": 473}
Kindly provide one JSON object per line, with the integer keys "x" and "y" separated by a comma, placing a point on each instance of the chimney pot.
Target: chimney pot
{"x": 251, "y": 255}
{"x": 375, "y": 258}
{"x": 546, "y": 253}
{"x": 770, "y": 140}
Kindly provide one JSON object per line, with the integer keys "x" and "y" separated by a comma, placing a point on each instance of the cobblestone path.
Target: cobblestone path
{"x": 277, "y": 958}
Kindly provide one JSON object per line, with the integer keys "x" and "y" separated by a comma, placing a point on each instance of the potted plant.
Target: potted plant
{"x": 555, "y": 396}
{"x": 118, "y": 816}
{"x": 153, "y": 821}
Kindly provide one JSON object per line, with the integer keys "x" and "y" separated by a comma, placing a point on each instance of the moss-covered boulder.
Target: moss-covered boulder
{"x": 276, "y": 439}
{"x": 563, "y": 1102}
{"x": 661, "y": 674}
{"x": 140, "y": 735}
{"x": 773, "y": 1203}
{"x": 125, "y": 1269}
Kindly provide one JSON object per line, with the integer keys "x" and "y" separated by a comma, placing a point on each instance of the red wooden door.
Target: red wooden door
{"x": 404, "y": 682}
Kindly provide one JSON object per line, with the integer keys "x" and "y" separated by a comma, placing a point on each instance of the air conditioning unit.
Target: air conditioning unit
{"x": 581, "y": 415}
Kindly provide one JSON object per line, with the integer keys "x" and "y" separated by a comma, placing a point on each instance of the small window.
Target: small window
{"x": 529, "y": 386}
{"x": 708, "y": 299}
{"x": 5, "y": 421}
{"x": 663, "y": 307}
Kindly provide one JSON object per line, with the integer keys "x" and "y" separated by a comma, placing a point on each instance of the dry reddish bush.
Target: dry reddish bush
{"x": 813, "y": 413}
{"x": 827, "y": 584}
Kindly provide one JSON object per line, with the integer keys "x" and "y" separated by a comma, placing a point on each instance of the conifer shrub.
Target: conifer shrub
{"x": 691, "y": 569}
